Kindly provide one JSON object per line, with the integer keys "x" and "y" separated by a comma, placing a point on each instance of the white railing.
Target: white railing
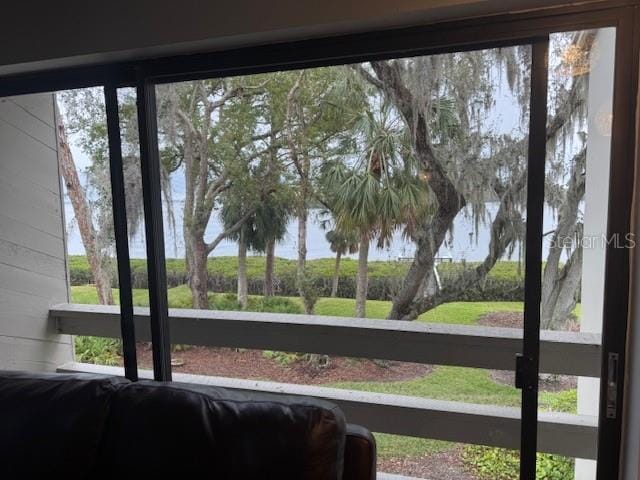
{"x": 438, "y": 344}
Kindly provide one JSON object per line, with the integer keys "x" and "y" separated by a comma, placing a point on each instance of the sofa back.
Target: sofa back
{"x": 85, "y": 426}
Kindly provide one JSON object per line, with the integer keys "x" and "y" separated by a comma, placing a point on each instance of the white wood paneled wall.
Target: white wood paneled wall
{"x": 32, "y": 248}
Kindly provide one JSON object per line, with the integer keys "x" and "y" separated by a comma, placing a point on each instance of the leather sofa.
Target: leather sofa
{"x": 98, "y": 427}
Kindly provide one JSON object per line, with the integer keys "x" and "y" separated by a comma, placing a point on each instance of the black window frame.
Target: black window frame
{"x": 472, "y": 34}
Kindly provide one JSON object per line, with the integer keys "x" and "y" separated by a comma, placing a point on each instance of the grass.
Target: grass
{"x": 463, "y": 313}
{"x": 467, "y": 313}
{"x": 468, "y": 385}
{"x": 444, "y": 383}
{"x": 86, "y": 294}
{"x": 460, "y": 384}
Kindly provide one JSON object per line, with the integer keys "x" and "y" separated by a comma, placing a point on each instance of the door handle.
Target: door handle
{"x": 612, "y": 385}
{"x": 524, "y": 366}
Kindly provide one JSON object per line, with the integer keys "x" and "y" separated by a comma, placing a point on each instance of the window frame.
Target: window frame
{"x": 486, "y": 32}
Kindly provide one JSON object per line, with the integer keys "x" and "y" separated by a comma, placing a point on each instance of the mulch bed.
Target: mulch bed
{"x": 446, "y": 465}
{"x": 515, "y": 320}
{"x": 548, "y": 383}
{"x": 252, "y": 364}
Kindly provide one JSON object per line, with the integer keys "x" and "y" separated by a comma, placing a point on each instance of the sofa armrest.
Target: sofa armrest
{"x": 359, "y": 454}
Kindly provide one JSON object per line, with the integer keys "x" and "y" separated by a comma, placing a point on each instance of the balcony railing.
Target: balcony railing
{"x": 564, "y": 353}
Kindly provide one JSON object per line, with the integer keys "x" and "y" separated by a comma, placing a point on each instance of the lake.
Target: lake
{"x": 463, "y": 244}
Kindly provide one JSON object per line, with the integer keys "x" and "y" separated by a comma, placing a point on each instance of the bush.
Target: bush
{"x": 98, "y": 350}
{"x": 498, "y": 464}
{"x": 283, "y": 358}
{"x": 229, "y": 301}
{"x": 504, "y": 283}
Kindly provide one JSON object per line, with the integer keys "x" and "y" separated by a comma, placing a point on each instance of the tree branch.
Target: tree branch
{"x": 231, "y": 230}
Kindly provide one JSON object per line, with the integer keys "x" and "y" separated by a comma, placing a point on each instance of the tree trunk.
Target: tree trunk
{"x": 560, "y": 283}
{"x": 559, "y": 303}
{"x": 82, "y": 212}
{"x": 362, "y": 279}
{"x": 268, "y": 271}
{"x": 243, "y": 297}
{"x": 302, "y": 246}
{"x": 336, "y": 276}
{"x": 198, "y": 274}
{"x": 450, "y": 200}
{"x": 427, "y": 245}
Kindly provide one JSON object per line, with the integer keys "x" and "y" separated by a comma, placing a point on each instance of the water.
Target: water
{"x": 464, "y": 243}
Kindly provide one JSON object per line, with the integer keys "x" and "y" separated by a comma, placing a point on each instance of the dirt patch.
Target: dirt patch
{"x": 502, "y": 319}
{"x": 252, "y": 364}
{"x": 548, "y": 383}
{"x": 516, "y": 320}
{"x": 436, "y": 466}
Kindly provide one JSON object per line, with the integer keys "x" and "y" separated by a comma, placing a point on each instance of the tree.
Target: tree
{"x": 566, "y": 175}
{"x": 92, "y": 239}
{"x": 560, "y": 283}
{"x": 465, "y": 166}
{"x": 451, "y": 161}
{"x": 83, "y": 116}
{"x": 321, "y": 107}
{"x": 270, "y": 226}
{"x": 233, "y": 211}
{"x": 469, "y": 164}
{"x": 210, "y": 129}
{"x": 381, "y": 193}
{"x": 340, "y": 243}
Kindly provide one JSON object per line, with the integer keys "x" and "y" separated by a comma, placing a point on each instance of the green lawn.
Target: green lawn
{"x": 464, "y": 313}
{"x": 444, "y": 383}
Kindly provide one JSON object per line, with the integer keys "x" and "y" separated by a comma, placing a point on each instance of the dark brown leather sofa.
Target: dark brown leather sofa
{"x": 95, "y": 427}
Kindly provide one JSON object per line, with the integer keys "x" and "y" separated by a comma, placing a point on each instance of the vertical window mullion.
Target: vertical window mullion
{"x": 154, "y": 230}
{"x": 127, "y": 326}
{"x": 533, "y": 257}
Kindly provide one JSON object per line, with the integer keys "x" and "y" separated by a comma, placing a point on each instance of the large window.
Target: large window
{"x": 378, "y": 215}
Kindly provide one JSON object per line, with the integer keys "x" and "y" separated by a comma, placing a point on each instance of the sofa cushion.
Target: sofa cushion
{"x": 52, "y": 424}
{"x": 208, "y": 432}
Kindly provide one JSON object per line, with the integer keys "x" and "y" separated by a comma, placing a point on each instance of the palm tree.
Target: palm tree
{"x": 259, "y": 232}
{"x": 270, "y": 226}
{"x": 232, "y": 211}
{"x": 381, "y": 193}
{"x": 340, "y": 243}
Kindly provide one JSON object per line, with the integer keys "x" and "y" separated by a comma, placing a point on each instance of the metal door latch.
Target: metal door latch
{"x": 520, "y": 368}
{"x": 612, "y": 385}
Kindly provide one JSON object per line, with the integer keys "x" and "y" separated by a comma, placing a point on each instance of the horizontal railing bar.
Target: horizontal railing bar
{"x": 495, "y": 348}
{"x": 560, "y": 433}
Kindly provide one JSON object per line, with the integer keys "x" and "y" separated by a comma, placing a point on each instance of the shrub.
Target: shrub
{"x": 308, "y": 291}
{"x": 498, "y": 464}
{"x": 504, "y": 283}
{"x": 98, "y": 350}
{"x": 274, "y": 305}
{"x": 229, "y": 301}
{"x": 283, "y": 358}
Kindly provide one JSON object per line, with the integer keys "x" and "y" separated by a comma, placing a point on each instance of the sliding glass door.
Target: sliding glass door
{"x": 480, "y": 176}
{"x": 438, "y": 160}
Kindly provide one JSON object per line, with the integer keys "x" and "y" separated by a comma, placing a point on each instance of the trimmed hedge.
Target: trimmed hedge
{"x": 504, "y": 283}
